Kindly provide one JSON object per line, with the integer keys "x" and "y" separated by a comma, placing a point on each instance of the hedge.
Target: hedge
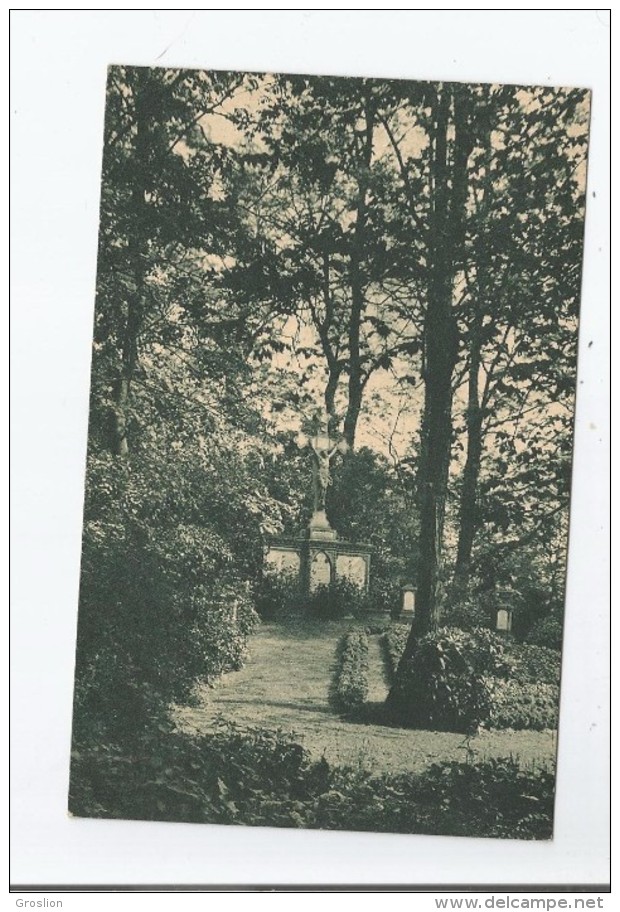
{"x": 349, "y": 689}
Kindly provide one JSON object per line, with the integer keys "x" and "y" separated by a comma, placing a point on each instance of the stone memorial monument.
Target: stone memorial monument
{"x": 319, "y": 557}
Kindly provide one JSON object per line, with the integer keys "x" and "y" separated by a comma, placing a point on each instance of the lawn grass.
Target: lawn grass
{"x": 284, "y": 686}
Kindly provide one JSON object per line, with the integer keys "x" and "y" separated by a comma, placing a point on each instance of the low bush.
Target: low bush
{"x": 495, "y": 797}
{"x": 278, "y": 595}
{"x": 546, "y": 632}
{"x": 459, "y": 681}
{"x": 444, "y": 684}
{"x": 340, "y": 600}
{"x": 260, "y": 778}
{"x": 518, "y": 705}
{"x": 384, "y": 597}
{"x": 349, "y": 688}
{"x": 179, "y": 778}
{"x": 281, "y": 595}
{"x": 468, "y": 610}
{"x": 528, "y": 664}
{"x": 394, "y": 642}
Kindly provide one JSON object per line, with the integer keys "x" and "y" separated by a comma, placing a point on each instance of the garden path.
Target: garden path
{"x": 377, "y": 679}
{"x": 285, "y": 683}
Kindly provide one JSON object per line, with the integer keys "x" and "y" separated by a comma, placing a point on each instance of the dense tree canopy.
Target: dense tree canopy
{"x": 403, "y": 256}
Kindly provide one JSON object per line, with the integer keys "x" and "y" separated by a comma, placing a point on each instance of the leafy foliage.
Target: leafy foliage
{"x": 530, "y": 664}
{"x": 495, "y": 795}
{"x": 173, "y": 539}
{"x": 469, "y": 610}
{"x": 260, "y": 778}
{"x": 394, "y": 641}
{"x": 341, "y": 599}
{"x": 371, "y": 502}
{"x": 162, "y": 601}
{"x": 547, "y": 632}
{"x": 279, "y": 595}
{"x": 459, "y": 681}
{"x": 517, "y": 705}
{"x": 350, "y": 683}
{"x": 442, "y": 686}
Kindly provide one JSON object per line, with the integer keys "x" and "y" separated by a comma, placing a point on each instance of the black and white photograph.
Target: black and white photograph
{"x": 310, "y": 429}
{"x": 327, "y": 490}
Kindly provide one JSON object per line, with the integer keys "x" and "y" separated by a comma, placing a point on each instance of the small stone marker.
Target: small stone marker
{"x": 504, "y": 620}
{"x": 407, "y": 610}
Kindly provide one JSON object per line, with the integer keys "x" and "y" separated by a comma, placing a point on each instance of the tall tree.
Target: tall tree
{"x": 522, "y": 270}
{"x": 446, "y": 113}
{"x": 323, "y": 202}
{"x": 451, "y": 144}
{"x": 156, "y": 204}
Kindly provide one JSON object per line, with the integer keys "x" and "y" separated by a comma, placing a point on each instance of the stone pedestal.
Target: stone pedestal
{"x": 320, "y": 529}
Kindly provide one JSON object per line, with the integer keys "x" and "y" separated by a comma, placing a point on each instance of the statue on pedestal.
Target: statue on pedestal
{"x": 319, "y": 559}
{"x": 324, "y": 447}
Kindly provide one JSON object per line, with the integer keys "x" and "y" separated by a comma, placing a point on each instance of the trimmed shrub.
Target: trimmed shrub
{"x": 444, "y": 685}
{"x": 349, "y": 688}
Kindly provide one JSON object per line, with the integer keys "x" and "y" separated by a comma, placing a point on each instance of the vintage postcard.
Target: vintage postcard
{"x": 329, "y": 458}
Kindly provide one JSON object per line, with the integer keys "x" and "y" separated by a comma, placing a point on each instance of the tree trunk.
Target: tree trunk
{"x": 471, "y": 471}
{"x": 354, "y": 406}
{"x": 435, "y": 454}
{"x": 120, "y": 443}
{"x": 441, "y": 343}
{"x": 475, "y": 410}
{"x": 356, "y": 377}
{"x": 334, "y": 366}
{"x": 330, "y": 398}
